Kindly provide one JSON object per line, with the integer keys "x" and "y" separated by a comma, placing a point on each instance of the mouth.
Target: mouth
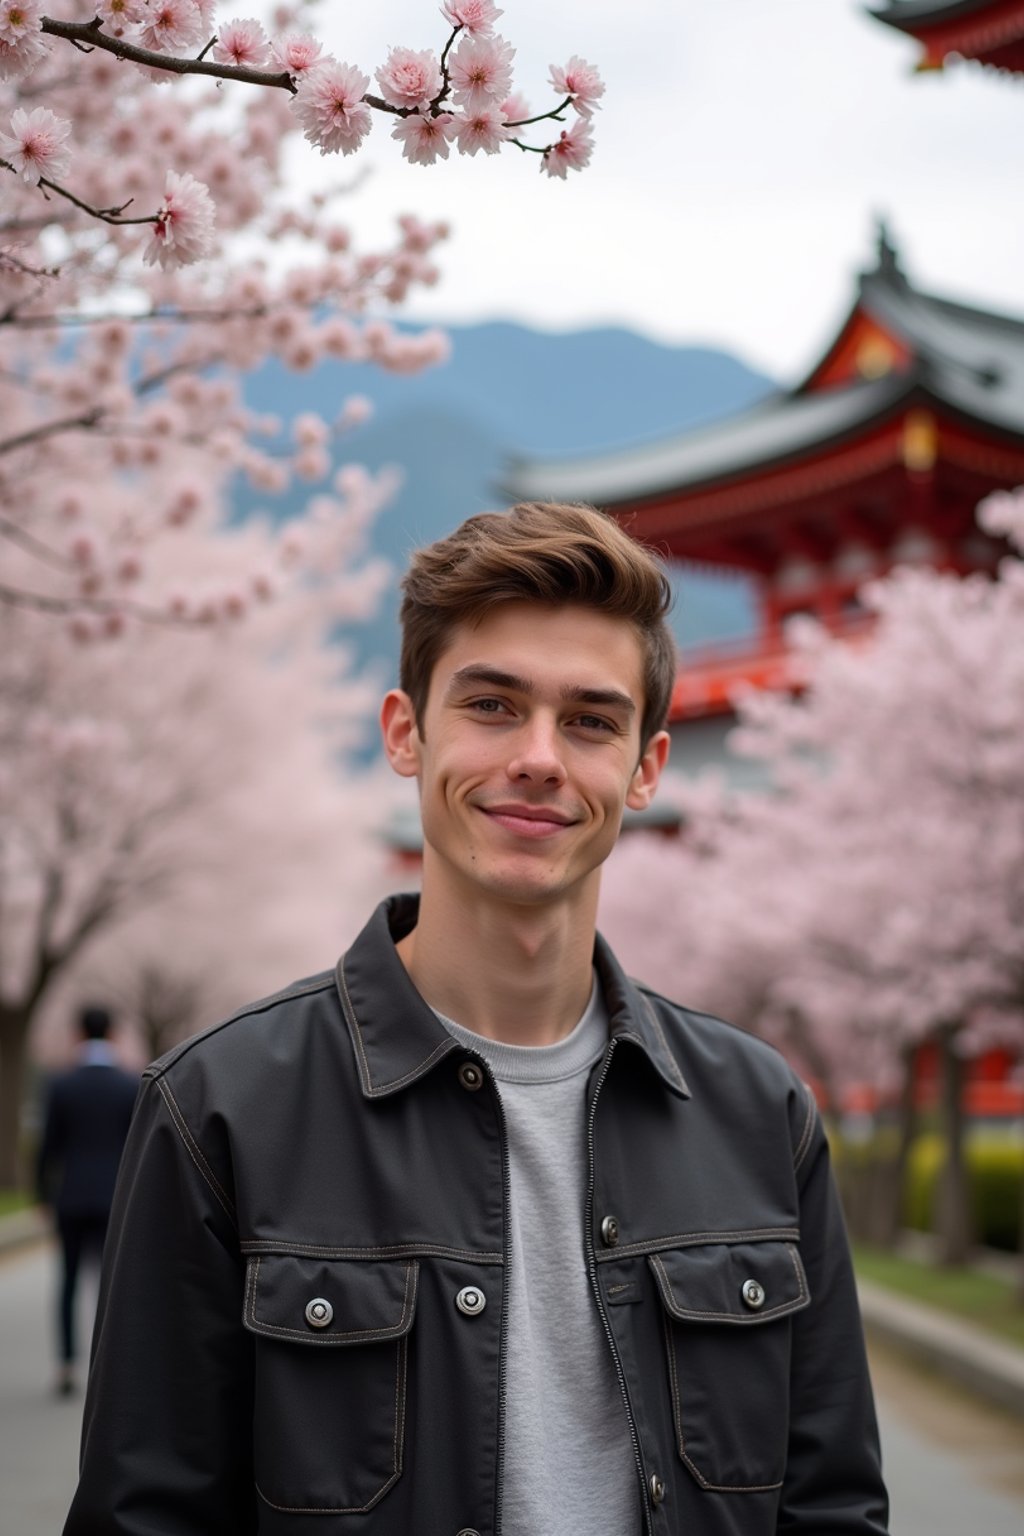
{"x": 529, "y": 820}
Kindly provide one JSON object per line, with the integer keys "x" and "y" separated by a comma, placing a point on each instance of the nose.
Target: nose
{"x": 537, "y": 758}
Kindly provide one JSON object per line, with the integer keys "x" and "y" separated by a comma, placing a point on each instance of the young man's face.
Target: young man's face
{"x": 530, "y": 751}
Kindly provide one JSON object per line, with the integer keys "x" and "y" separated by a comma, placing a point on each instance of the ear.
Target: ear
{"x": 400, "y": 733}
{"x": 648, "y": 771}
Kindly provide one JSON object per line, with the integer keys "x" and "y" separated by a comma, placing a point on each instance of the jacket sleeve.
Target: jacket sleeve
{"x": 166, "y": 1442}
{"x": 833, "y": 1484}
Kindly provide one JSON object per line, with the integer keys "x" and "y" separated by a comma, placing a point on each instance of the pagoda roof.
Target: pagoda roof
{"x": 934, "y": 351}
{"x": 991, "y": 31}
{"x": 909, "y": 15}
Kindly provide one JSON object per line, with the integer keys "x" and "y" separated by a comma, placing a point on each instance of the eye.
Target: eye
{"x": 595, "y": 723}
{"x": 488, "y": 706}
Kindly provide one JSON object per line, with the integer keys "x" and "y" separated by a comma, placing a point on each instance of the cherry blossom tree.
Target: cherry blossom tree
{"x": 152, "y": 250}
{"x": 875, "y": 900}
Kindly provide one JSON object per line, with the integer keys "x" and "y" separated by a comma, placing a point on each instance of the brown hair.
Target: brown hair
{"x": 539, "y": 552}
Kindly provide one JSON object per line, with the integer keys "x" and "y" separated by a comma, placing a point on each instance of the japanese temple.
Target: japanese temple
{"x": 988, "y": 31}
{"x": 879, "y": 457}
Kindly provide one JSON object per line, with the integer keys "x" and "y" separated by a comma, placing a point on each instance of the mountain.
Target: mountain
{"x": 508, "y": 390}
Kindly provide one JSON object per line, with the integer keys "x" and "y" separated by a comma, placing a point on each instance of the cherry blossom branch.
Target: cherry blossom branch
{"x": 91, "y": 33}
{"x": 556, "y": 113}
{"x": 107, "y": 215}
{"x": 67, "y": 607}
{"x": 34, "y": 546}
{"x": 50, "y": 429}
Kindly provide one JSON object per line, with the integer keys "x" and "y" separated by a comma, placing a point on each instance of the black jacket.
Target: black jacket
{"x": 88, "y": 1111}
{"x": 335, "y": 1145}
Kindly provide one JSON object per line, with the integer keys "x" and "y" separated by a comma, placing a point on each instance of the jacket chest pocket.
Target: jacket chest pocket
{"x": 330, "y": 1379}
{"x": 727, "y": 1310}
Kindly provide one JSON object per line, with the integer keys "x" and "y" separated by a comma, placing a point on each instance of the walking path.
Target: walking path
{"x": 953, "y": 1465}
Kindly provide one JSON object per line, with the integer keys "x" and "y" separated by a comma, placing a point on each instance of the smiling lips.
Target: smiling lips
{"x": 529, "y": 820}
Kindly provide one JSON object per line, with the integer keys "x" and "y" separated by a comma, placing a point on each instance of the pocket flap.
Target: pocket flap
{"x": 323, "y": 1301}
{"x": 731, "y": 1282}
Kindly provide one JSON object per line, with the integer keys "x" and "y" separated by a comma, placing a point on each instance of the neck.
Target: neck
{"x": 519, "y": 974}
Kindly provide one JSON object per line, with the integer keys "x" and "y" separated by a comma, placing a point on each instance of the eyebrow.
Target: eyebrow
{"x": 494, "y": 677}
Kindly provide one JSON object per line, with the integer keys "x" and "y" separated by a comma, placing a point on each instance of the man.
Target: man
{"x": 474, "y": 1235}
{"x": 87, "y": 1116}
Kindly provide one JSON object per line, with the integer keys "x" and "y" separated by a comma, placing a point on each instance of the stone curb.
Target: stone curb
{"x": 23, "y": 1229}
{"x": 957, "y": 1350}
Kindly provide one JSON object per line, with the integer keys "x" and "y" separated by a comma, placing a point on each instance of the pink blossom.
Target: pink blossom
{"x": 19, "y": 18}
{"x": 171, "y": 25}
{"x": 37, "y": 144}
{"x": 424, "y": 138}
{"x": 356, "y": 410}
{"x": 22, "y": 44}
{"x": 484, "y": 129}
{"x": 579, "y": 80}
{"x": 572, "y": 152}
{"x": 119, "y": 14}
{"x": 515, "y": 108}
{"x": 242, "y": 42}
{"x": 410, "y": 79}
{"x": 329, "y": 104}
{"x": 476, "y": 16}
{"x": 296, "y": 52}
{"x": 481, "y": 72}
{"x": 184, "y": 229}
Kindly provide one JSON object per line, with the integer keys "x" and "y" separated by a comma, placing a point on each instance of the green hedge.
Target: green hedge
{"x": 995, "y": 1167}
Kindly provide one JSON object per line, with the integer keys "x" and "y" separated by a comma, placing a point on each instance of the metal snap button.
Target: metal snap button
{"x": 609, "y": 1232}
{"x": 657, "y": 1489}
{"x": 471, "y": 1300}
{"x": 753, "y": 1294}
{"x": 467, "y": 1531}
{"x": 319, "y": 1312}
{"x": 471, "y": 1076}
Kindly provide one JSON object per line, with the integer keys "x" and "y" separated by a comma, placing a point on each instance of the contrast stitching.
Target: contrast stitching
{"x": 801, "y": 1278}
{"x": 285, "y": 1246}
{"x": 741, "y": 1318}
{"x": 677, "y": 1414}
{"x": 193, "y": 1149}
{"x": 392, "y": 1331}
{"x": 322, "y": 983}
{"x": 697, "y": 1239}
{"x": 439, "y": 1050}
{"x": 673, "y": 1064}
{"x": 805, "y": 1139}
{"x": 398, "y": 1442}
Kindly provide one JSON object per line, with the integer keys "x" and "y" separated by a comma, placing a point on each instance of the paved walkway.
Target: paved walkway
{"x": 953, "y": 1466}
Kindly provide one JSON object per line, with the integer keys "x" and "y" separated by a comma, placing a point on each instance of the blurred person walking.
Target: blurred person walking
{"x": 87, "y": 1116}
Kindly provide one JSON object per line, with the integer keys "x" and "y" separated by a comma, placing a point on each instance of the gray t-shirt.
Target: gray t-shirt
{"x": 569, "y": 1463}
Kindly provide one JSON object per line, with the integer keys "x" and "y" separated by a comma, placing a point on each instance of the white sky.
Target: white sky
{"x": 742, "y": 153}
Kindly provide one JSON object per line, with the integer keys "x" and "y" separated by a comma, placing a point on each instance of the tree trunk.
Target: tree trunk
{"x": 14, "y": 1023}
{"x": 954, "y": 1209}
{"x": 891, "y": 1180}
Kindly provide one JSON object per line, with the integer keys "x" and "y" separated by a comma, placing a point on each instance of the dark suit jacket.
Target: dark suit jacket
{"x": 87, "y": 1118}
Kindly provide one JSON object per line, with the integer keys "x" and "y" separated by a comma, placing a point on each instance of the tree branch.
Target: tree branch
{"x": 91, "y": 33}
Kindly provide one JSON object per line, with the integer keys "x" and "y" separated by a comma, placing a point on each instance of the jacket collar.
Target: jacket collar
{"x": 398, "y": 1038}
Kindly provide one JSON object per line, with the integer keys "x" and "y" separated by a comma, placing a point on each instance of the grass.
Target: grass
{"x": 13, "y": 1200}
{"x": 985, "y": 1300}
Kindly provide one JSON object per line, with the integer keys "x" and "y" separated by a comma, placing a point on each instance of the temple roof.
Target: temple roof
{"x": 990, "y": 31}
{"x": 911, "y": 14}
{"x": 968, "y": 361}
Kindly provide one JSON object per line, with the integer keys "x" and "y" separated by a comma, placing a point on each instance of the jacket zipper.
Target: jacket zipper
{"x": 506, "y": 1250}
{"x": 592, "y": 1266}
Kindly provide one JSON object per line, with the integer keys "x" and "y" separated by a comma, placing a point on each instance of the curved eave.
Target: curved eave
{"x": 914, "y": 16}
{"x": 777, "y": 433}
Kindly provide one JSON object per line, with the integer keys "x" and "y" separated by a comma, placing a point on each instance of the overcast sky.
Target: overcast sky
{"x": 742, "y": 153}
